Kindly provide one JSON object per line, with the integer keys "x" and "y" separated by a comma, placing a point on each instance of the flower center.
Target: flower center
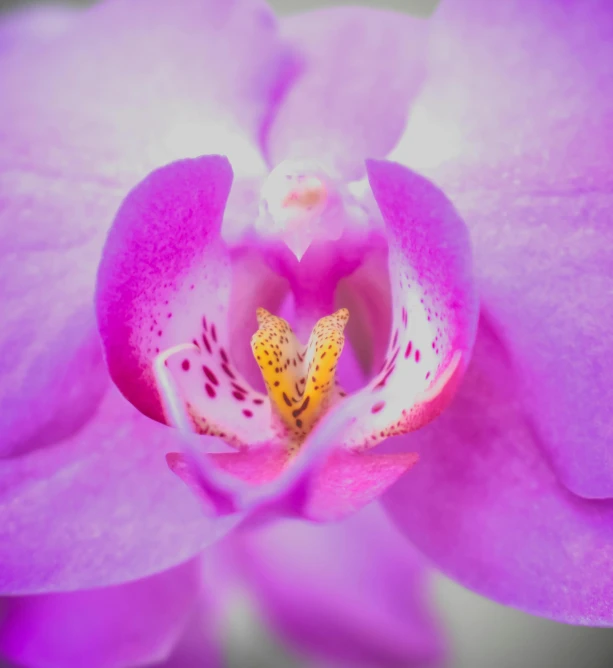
{"x": 300, "y": 380}
{"x": 299, "y": 205}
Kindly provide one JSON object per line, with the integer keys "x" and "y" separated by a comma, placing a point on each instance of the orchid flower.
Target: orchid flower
{"x": 236, "y": 189}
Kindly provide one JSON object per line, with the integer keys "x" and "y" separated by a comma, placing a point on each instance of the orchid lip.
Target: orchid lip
{"x": 300, "y": 379}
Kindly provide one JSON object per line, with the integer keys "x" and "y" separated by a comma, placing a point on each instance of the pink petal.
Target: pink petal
{"x": 99, "y": 508}
{"x": 350, "y": 593}
{"x": 164, "y": 280}
{"x": 343, "y": 484}
{"x": 434, "y": 309}
{"x": 520, "y": 104}
{"x": 485, "y": 506}
{"x": 133, "y": 624}
{"x": 132, "y": 85}
{"x": 360, "y": 69}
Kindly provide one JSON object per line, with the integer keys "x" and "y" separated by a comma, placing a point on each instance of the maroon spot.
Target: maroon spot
{"x": 224, "y": 355}
{"x": 394, "y": 357}
{"x": 160, "y": 332}
{"x": 185, "y": 365}
{"x": 377, "y": 407}
{"x": 247, "y": 413}
{"x": 276, "y": 383}
{"x": 214, "y": 333}
{"x": 407, "y": 352}
{"x": 210, "y": 391}
{"x": 286, "y": 399}
{"x": 227, "y": 371}
{"x": 427, "y": 375}
{"x": 395, "y": 341}
{"x": 210, "y": 375}
{"x": 238, "y": 387}
{"x": 417, "y": 355}
{"x": 204, "y": 324}
{"x": 258, "y": 402}
{"x": 302, "y": 408}
{"x": 382, "y": 382}
{"x": 196, "y": 343}
{"x": 323, "y": 355}
{"x": 207, "y": 345}
{"x": 169, "y": 315}
{"x": 239, "y": 396}
{"x": 299, "y": 423}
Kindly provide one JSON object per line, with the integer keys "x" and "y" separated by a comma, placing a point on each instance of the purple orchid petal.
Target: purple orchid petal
{"x": 351, "y": 592}
{"x": 98, "y": 509}
{"x": 518, "y": 113}
{"x": 83, "y": 122}
{"x": 434, "y": 308}
{"x": 133, "y": 624}
{"x": 340, "y": 486}
{"x": 367, "y": 295}
{"x": 485, "y": 506}
{"x": 163, "y": 282}
{"x": 361, "y": 67}
{"x": 254, "y": 285}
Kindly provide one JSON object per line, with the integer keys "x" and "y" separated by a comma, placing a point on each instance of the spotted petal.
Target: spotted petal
{"x": 163, "y": 293}
{"x": 322, "y": 482}
{"x": 515, "y": 125}
{"x": 434, "y": 308}
{"x": 486, "y": 508}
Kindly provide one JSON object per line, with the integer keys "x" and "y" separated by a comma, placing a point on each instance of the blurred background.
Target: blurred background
{"x": 481, "y": 633}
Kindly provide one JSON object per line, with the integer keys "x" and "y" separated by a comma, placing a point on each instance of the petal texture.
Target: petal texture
{"x": 133, "y": 624}
{"x": 518, "y": 116}
{"x": 360, "y": 68}
{"x": 164, "y": 281}
{"x": 341, "y": 485}
{"x": 352, "y": 592}
{"x": 484, "y": 505}
{"x": 130, "y": 86}
{"x": 99, "y": 508}
{"x": 434, "y": 308}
